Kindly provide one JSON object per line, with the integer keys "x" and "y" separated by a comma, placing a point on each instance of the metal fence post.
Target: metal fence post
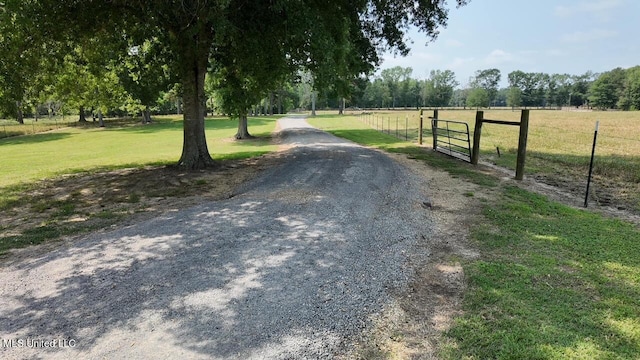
{"x": 406, "y": 128}
{"x": 420, "y": 129}
{"x": 593, "y": 153}
{"x": 434, "y": 128}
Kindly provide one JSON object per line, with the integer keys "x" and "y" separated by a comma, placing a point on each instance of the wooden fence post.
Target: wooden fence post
{"x": 434, "y": 127}
{"x": 522, "y": 144}
{"x": 475, "y": 156}
{"x": 420, "y": 129}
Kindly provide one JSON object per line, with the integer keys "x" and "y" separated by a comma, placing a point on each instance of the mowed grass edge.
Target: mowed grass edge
{"x": 552, "y": 282}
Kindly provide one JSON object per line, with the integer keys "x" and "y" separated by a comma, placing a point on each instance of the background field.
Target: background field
{"x": 558, "y": 149}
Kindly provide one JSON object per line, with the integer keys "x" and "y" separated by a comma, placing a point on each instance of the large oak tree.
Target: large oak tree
{"x": 339, "y": 37}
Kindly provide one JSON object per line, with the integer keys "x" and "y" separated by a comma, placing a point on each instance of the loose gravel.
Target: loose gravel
{"x": 295, "y": 265}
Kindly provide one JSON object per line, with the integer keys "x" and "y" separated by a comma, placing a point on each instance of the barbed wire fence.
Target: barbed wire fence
{"x": 617, "y": 155}
{"x": 11, "y": 127}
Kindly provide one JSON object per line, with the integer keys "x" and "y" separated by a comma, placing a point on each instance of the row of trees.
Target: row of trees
{"x": 618, "y": 88}
{"x": 76, "y": 51}
{"x": 395, "y": 87}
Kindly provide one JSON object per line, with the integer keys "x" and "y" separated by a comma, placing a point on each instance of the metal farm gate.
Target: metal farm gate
{"x": 451, "y": 138}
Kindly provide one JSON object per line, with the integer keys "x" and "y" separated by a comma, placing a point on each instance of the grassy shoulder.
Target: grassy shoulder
{"x": 552, "y": 282}
{"x": 76, "y": 180}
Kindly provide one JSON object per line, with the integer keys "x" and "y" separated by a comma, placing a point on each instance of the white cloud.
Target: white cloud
{"x": 554, "y": 52}
{"x": 425, "y": 56}
{"x": 499, "y": 56}
{"x": 600, "y": 9}
{"x": 460, "y": 62}
{"x": 588, "y": 36}
{"x": 453, "y": 43}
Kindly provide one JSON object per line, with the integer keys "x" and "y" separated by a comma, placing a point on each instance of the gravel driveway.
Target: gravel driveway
{"x": 294, "y": 266}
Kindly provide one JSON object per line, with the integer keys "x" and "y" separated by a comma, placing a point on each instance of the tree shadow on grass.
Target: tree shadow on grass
{"x": 34, "y": 139}
{"x": 210, "y": 124}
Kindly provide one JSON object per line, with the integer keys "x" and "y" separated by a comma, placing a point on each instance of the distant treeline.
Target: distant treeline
{"x": 395, "y": 87}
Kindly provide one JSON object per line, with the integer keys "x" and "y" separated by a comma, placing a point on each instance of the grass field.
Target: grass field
{"x": 552, "y": 282}
{"x": 558, "y": 149}
{"x": 86, "y": 148}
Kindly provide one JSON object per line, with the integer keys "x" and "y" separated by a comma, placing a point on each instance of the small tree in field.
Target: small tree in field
{"x": 487, "y": 80}
{"x": 478, "y": 97}
{"x": 514, "y": 97}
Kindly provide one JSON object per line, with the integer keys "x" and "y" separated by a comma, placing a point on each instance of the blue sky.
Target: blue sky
{"x": 561, "y": 36}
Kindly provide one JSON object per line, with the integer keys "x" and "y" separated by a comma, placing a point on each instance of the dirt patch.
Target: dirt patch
{"x": 606, "y": 197}
{"x": 412, "y": 326}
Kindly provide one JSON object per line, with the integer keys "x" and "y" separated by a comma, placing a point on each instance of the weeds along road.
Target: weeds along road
{"x": 294, "y": 266}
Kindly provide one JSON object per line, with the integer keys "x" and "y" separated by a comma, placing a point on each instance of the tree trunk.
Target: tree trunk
{"x": 82, "y": 118}
{"x": 194, "y": 57}
{"x": 100, "y": 118}
{"x": 313, "y": 104}
{"x": 271, "y": 103}
{"x": 279, "y": 101}
{"x": 19, "y": 114}
{"x": 341, "y": 106}
{"x": 243, "y": 131}
{"x": 146, "y": 115}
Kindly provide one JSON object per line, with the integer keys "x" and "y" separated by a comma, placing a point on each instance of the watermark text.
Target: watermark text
{"x": 37, "y": 343}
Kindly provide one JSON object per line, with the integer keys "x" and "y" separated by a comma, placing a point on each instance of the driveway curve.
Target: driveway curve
{"x": 293, "y": 266}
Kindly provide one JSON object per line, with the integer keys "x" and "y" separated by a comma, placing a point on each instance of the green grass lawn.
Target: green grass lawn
{"x": 552, "y": 282}
{"x": 77, "y": 149}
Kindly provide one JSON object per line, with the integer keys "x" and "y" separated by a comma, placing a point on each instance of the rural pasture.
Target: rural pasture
{"x": 558, "y": 148}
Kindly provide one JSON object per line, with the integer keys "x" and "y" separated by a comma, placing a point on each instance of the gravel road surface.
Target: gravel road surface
{"x": 294, "y": 266}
